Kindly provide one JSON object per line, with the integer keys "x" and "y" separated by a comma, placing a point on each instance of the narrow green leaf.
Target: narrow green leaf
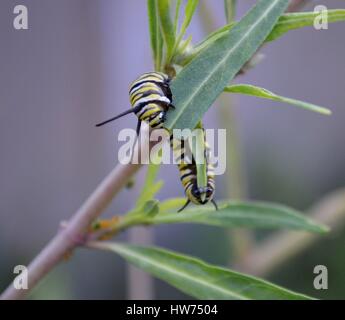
{"x": 155, "y": 33}
{"x": 171, "y": 204}
{"x": 150, "y": 187}
{"x": 211, "y": 38}
{"x": 183, "y": 52}
{"x": 244, "y": 214}
{"x": 158, "y": 64}
{"x": 197, "y": 278}
{"x": 188, "y": 14}
{"x": 151, "y": 175}
{"x": 152, "y": 15}
{"x": 167, "y": 26}
{"x": 149, "y": 193}
{"x": 291, "y": 21}
{"x": 177, "y": 13}
{"x": 230, "y": 9}
{"x": 263, "y": 93}
{"x": 197, "y": 86}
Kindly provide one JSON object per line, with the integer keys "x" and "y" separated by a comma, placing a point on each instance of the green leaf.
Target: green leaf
{"x": 148, "y": 193}
{"x": 167, "y": 26}
{"x": 177, "y": 13}
{"x": 291, "y": 21}
{"x": 152, "y": 17}
{"x": 230, "y": 9}
{"x": 243, "y": 214}
{"x": 155, "y": 33}
{"x": 171, "y": 204}
{"x": 188, "y": 14}
{"x": 211, "y": 38}
{"x": 263, "y": 93}
{"x": 150, "y": 187}
{"x": 197, "y": 86}
{"x": 183, "y": 52}
{"x": 180, "y": 45}
{"x": 151, "y": 208}
{"x": 197, "y": 278}
{"x": 287, "y": 22}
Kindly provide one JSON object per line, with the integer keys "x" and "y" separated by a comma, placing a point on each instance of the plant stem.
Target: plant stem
{"x": 71, "y": 236}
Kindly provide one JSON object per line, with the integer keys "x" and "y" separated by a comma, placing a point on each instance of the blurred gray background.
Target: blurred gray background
{"x": 72, "y": 69}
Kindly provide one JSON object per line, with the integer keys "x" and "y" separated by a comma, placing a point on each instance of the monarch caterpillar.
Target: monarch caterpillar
{"x": 188, "y": 175}
{"x": 150, "y": 97}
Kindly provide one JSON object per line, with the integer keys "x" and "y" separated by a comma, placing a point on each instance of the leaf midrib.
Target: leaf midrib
{"x": 181, "y": 274}
{"x": 245, "y": 36}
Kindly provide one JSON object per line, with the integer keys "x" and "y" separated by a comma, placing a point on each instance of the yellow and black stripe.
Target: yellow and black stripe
{"x": 188, "y": 175}
{"x": 150, "y": 97}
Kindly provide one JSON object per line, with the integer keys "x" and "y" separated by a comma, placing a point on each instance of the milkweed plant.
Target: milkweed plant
{"x": 200, "y": 73}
